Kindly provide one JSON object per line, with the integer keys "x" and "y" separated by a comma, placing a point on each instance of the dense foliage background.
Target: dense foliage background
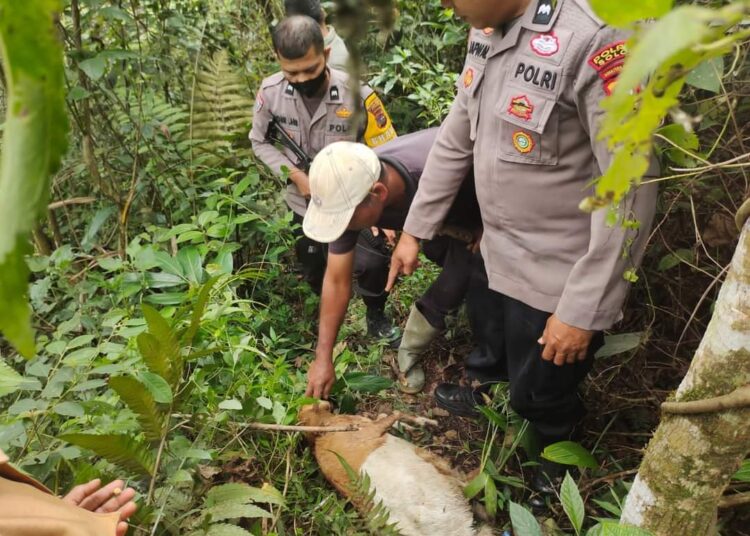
{"x": 166, "y": 238}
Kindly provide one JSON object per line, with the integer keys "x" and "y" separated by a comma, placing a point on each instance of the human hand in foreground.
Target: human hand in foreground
{"x": 320, "y": 378}
{"x": 404, "y": 259}
{"x": 111, "y": 498}
{"x": 563, "y": 343}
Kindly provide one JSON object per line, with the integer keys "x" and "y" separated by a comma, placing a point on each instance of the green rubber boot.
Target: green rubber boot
{"x": 417, "y": 336}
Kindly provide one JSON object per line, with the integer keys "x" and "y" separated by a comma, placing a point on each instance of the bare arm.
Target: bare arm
{"x": 334, "y": 300}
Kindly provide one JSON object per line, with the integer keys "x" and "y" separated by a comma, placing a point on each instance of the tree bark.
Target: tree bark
{"x": 692, "y": 457}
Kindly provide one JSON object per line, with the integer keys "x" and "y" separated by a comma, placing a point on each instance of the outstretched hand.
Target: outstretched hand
{"x": 404, "y": 259}
{"x": 111, "y": 498}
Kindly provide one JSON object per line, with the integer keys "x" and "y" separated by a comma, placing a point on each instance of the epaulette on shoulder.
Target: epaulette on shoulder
{"x": 273, "y": 80}
{"x": 588, "y": 10}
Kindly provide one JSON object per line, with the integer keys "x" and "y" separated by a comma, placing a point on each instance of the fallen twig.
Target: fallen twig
{"x": 738, "y": 499}
{"x": 72, "y": 201}
{"x": 297, "y": 428}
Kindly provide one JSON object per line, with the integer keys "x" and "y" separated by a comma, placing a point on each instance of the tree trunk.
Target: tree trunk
{"x": 692, "y": 457}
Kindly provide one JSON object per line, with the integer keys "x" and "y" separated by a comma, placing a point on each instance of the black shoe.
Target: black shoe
{"x": 379, "y": 326}
{"x": 545, "y": 480}
{"x": 459, "y": 400}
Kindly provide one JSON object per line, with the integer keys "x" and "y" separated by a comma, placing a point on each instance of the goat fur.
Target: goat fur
{"x": 420, "y": 490}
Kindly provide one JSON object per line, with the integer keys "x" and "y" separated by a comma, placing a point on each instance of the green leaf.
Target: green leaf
{"x": 490, "y": 497}
{"x": 223, "y": 511}
{"x": 99, "y": 219}
{"x": 232, "y": 403}
{"x": 707, "y": 75}
{"x": 34, "y": 141}
{"x": 191, "y": 264}
{"x": 673, "y": 259}
{"x": 10, "y": 380}
{"x": 170, "y": 366}
{"x": 620, "y": 343}
{"x": 242, "y": 493}
{"x": 572, "y": 502}
{"x": 157, "y": 386}
{"x": 141, "y": 402}
{"x": 569, "y": 453}
{"x": 198, "y": 309}
{"x": 624, "y": 13}
{"x": 476, "y": 485}
{"x": 94, "y": 67}
{"x": 743, "y": 475}
{"x": 69, "y": 409}
{"x": 612, "y": 528}
{"x": 524, "y": 522}
{"x": 120, "y": 449}
{"x": 366, "y": 383}
{"x": 224, "y": 529}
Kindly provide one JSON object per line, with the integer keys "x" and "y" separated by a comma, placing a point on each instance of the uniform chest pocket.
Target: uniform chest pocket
{"x": 528, "y": 126}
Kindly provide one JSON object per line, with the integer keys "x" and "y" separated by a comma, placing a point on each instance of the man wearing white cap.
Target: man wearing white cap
{"x": 354, "y": 187}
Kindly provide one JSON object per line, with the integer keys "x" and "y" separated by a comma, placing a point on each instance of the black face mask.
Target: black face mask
{"x": 310, "y": 88}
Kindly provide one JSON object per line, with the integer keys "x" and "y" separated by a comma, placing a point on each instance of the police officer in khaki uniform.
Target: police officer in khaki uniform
{"x": 526, "y": 116}
{"x": 27, "y": 508}
{"x": 313, "y": 104}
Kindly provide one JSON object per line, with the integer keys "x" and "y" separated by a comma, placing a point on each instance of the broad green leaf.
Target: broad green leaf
{"x": 141, "y": 402}
{"x": 94, "y": 67}
{"x": 569, "y": 453}
{"x": 224, "y": 511}
{"x": 572, "y": 503}
{"x": 69, "y": 409}
{"x": 232, "y": 403}
{"x": 624, "y": 13}
{"x": 168, "y": 344}
{"x": 120, "y": 449}
{"x": 707, "y": 75}
{"x": 157, "y": 386}
{"x": 168, "y": 263}
{"x": 10, "y": 380}
{"x": 620, "y": 343}
{"x": 34, "y": 141}
{"x": 366, "y": 383}
{"x": 674, "y": 259}
{"x": 743, "y": 475}
{"x": 191, "y": 264}
{"x": 242, "y": 493}
{"x": 524, "y": 522}
{"x": 612, "y": 528}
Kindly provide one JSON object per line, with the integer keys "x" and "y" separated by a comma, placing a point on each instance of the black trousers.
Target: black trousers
{"x": 447, "y": 292}
{"x": 371, "y": 261}
{"x": 506, "y": 331}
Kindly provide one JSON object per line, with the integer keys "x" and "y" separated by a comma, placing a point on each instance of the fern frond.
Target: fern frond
{"x": 222, "y": 106}
{"x": 165, "y": 357}
{"x": 375, "y": 514}
{"x": 141, "y": 402}
{"x": 119, "y": 449}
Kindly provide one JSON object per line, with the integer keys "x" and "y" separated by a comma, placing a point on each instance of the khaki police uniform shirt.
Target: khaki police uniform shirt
{"x": 330, "y": 123}
{"x": 27, "y": 508}
{"x": 527, "y": 115}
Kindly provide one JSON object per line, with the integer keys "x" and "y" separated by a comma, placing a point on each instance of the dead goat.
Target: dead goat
{"x": 421, "y": 492}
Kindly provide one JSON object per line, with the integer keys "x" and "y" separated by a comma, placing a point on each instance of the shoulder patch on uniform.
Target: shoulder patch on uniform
{"x": 335, "y": 94}
{"x": 544, "y": 11}
{"x": 520, "y": 106}
{"x": 289, "y": 90}
{"x": 379, "y": 127}
{"x": 608, "y": 54}
{"x": 259, "y": 102}
{"x": 545, "y": 45}
{"x": 523, "y": 142}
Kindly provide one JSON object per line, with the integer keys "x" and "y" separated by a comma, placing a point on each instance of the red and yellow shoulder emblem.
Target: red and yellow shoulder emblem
{"x": 379, "y": 126}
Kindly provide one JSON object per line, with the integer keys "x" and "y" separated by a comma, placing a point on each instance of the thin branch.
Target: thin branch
{"x": 72, "y": 201}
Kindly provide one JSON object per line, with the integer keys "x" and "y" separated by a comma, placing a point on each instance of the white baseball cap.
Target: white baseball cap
{"x": 341, "y": 176}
